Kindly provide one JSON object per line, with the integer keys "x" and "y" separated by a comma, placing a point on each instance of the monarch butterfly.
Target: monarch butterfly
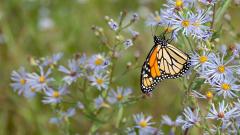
{"x": 164, "y": 61}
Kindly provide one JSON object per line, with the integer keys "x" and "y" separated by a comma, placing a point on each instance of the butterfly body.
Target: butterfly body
{"x": 164, "y": 61}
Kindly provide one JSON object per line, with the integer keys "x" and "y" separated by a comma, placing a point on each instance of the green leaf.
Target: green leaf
{"x": 222, "y": 10}
{"x": 197, "y": 84}
{"x": 119, "y": 116}
{"x": 215, "y": 35}
{"x": 94, "y": 128}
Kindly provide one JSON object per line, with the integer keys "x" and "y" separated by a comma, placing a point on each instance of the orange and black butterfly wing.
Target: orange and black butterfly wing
{"x": 173, "y": 62}
{"x": 164, "y": 61}
{"x": 151, "y": 74}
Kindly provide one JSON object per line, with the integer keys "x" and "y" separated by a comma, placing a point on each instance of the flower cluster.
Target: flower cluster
{"x": 89, "y": 83}
{"x": 184, "y": 16}
{"x": 85, "y": 82}
{"x": 219, "y": 70}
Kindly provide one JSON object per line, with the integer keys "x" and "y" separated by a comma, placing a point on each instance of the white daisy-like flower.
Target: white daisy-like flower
{"x": 182, "y": 23}
{"x": 119, "y": 95}
{"x": 166, "y": 120}
{"x": 176, "y": 5}
{"x": 99, "y": 80}
{"x": 82, "y": 60}
{"x": 19, "y": 81}
{"x": 144, "y": 124}
{"x": 199, "y": 61}
{"x": 73, "y": 71}
{"x": 226, "y": 87}
{"x": 52, "y": 61}
{"x": 99, "y": 102}
{"x": 199, "y": 20}
{"x": 98, "y": 61}
{"x": 223, "y": 113}
{"x": 30, "y": 93}
{"x": 39, "y": 81}
{"x": 63, "y": 116}
{"x": 167, "y": 15}
{"x": 217, "y": 69}
{"x": 189, "y": 118}
{"x": 54, "y": 96}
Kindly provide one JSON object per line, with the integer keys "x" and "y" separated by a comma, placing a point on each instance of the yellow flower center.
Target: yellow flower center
{"x": 56, "y": 94}
{"x": 221, "y": 114}
{"x": 119, "y": 97}
{"x": 226, "y": 86}
{"x": 99, "y": 81}
{"x": 23, "y": 81}
{"x": 157, "y": 18}
{"x": 185, "y": 23}
{"x": 99, "y": 61}
{"x": 203, "y": 59}
{"x": 209, "y": 95}
{"x": 179, "y": 3}
{"x": 41, "y": 79}
{"x": 143, "y": 123}
{"x": 221, "y": 69}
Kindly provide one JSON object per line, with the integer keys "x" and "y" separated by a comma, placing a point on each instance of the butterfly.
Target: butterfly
{"x": 164, "y": 61}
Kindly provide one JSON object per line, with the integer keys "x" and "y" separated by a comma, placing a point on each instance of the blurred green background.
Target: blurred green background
{"x": 37, "y": 28}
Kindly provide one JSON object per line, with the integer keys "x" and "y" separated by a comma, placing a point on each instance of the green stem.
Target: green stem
{"x": 186, "y": 96}
{"x": 124, "y": 27}
{"x": 221, "y": 11}
{"x": 214, "y": 12}
{"x": 189, "y": 42}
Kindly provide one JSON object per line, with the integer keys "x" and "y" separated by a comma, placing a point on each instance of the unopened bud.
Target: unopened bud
{"x": 135, "y": 17}
{"x": 137, "y": 54}
{"x": 107, "y": 18}
{"x": 116, "y": 55}
{"x": 209, "y": 95}
{"x": 119, "y": 37}
{"x": 97, "y": 33}
{"x": 129, "y": 64}
{"x": 100, "y": 29}
{"x": 237, "y": 2}
{"x": 123, "y": 13}
{"x": 227, "y": 17}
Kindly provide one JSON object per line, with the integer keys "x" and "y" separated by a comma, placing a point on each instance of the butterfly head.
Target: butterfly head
{"x": 160, "y": 41}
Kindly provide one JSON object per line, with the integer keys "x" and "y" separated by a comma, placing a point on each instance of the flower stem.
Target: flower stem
{"x": 186, "y": 131}
{"x": 221, "y": 11}
{"x": 213, "y": 18}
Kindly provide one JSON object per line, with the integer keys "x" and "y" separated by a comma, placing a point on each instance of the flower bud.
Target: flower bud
{"x": 107, "y": 18}
{"x": 129, "y": 64}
